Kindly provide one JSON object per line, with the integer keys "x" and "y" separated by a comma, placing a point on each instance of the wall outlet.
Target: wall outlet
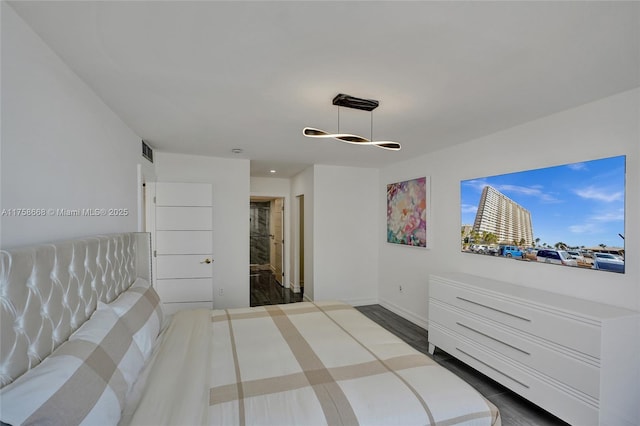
{"x": 221, "y": 292}
{"x": 400, "y": 288}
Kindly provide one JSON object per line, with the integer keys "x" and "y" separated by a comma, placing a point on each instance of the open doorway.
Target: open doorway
{"x": 266, "y": 248}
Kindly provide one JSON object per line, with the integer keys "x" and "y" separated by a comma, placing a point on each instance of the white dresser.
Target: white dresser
{"x": 577, "y": 359}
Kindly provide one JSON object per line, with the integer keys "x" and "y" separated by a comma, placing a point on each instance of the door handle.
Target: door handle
{"x": 207, "y": 261}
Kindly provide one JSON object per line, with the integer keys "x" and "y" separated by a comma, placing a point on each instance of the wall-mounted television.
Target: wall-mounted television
{"x": 570, "y": 215}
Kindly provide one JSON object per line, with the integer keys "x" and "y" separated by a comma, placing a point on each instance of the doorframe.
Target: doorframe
{"x": 273, "y": 203}
{"x": 286, "y": 281}
{"x": 145, "y": 174}
{"x": 146, "y": 191}
{"x": 299, "y": 255}
{"x": 150, "y": 222}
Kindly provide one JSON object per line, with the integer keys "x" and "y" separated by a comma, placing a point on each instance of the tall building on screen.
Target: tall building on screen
{"x": 505, "y": 218}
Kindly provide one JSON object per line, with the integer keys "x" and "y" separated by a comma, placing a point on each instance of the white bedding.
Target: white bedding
{"x": 299, "y": 364}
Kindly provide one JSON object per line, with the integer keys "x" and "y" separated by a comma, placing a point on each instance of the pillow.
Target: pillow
{"x": 84, "y": 381}
{"x": 140, "y": 310}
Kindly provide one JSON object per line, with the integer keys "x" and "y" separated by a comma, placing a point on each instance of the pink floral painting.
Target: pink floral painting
{"x": 407, "y": 212}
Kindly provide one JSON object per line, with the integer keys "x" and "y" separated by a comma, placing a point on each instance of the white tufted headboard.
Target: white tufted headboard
{"x": 48, "y": 291}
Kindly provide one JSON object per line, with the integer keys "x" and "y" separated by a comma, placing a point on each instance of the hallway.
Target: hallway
{"x": 265, "y": 290}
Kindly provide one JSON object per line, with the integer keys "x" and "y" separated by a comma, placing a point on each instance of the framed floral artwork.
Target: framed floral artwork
{"x": 407, "y": 212}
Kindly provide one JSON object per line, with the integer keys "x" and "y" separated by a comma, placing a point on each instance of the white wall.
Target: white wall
{"x": 281, "y": 188}
{"x": 604, "y": 128}
{"x": 345, "y": 246}
{"x": 62, "y": 147}
{"x": 302, "y": 184}
{"x": 230, "y": 179}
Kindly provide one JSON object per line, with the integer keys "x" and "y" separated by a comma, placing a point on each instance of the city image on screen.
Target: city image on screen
{"x": 571, "y": 215}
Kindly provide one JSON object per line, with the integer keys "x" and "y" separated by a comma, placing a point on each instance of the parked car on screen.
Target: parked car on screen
{"x": 509, "y": 251}
{"x": 531, "y": 254}
{"x": 558, "y": 257}
{"x": 576, "y": 255}
{"x": 608, "y": 262}
{"x": 582, "y": 258}
{"x": 493, "y": 250}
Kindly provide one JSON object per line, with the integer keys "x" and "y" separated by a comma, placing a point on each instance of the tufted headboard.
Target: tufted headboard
{"x": 48, "y": 291}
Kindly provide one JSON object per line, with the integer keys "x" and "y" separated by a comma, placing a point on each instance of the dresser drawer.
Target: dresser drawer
{"x": 572, "y": 369}
{"x": 543, "y": 390}
{"x": 536, "y": 320}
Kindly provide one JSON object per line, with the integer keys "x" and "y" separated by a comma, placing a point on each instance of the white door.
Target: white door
{"x": 183, "y": 245}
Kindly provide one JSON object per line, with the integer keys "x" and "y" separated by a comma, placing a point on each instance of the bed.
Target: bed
{"x": 84, "y": 341}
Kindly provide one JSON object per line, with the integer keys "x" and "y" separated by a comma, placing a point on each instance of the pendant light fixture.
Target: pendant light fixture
{"x": 342, "y": 100}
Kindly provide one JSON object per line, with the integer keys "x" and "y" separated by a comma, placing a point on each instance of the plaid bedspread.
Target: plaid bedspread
{"x": 299, "y": 364}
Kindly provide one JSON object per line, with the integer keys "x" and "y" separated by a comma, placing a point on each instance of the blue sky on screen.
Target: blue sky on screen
{"x": 580, "y": 204}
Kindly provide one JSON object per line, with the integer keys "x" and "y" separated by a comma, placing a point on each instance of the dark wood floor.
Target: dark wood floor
{"x": 266, "y": 290}
{"x": 515, "y": 411}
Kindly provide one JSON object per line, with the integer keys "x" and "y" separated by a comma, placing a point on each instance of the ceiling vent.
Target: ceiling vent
{"x": 147, "y": 151}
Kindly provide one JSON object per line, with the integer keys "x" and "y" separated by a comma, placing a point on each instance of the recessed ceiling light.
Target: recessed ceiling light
{"x": 237, "y": 150}
{"x": 272, "y": 171}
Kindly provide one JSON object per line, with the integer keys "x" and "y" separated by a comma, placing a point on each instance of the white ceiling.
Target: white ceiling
{"x": 205, "y": 77}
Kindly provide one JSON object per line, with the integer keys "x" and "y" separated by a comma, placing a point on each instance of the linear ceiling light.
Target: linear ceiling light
{"x": 356, "y": 103}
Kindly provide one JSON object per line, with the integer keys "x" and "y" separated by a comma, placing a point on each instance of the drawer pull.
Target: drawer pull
{"x": 493, "y": 338}
{"x": 494, "y": 309}
{"x": 493, "y": 368}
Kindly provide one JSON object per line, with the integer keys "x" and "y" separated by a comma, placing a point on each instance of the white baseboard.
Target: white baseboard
{"x": 409, "y": 316}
